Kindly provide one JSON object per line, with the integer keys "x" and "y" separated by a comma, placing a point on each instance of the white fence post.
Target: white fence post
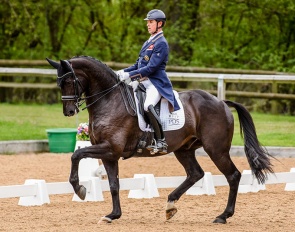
{"x": 291, "y": 186}
{"x": 150, "y": 189}
{"x": 249, "y": 184}
{"x": 93, "y": 192}
{"x": 207, "y": 186}
{"x": 41, "y": 197}
{"x": 221, "y": 88}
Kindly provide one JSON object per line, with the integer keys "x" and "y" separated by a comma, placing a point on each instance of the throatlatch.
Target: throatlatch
{"x": 160, "y": 145}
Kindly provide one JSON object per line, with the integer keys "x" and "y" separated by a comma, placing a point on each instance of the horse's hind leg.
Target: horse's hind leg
{"x": 194, "y": 173}
{"x": 233, "y": 176}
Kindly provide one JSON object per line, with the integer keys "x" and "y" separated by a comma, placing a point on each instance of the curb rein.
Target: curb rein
{"x": 79, "y": 101}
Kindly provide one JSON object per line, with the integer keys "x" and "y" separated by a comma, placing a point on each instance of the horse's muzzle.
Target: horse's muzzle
{"x": 71, "y": 112}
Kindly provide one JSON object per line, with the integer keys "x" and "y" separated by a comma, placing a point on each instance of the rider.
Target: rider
{"x": 149, "y": 69}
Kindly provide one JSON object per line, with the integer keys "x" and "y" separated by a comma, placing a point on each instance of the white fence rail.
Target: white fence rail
{"x": 221, "y": 79}
{"x": 36, "y": 192}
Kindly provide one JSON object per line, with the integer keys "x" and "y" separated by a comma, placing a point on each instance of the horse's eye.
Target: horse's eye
{"x": 68, "y": 81}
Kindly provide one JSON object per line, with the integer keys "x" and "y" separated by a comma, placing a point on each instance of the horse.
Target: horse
{"x": 114, "y": 132}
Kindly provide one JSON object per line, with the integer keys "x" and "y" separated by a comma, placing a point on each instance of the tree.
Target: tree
{"x": 248, "y": 34}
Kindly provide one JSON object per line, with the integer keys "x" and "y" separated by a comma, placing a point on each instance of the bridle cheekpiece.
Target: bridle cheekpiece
{"x": 76, "y": 97}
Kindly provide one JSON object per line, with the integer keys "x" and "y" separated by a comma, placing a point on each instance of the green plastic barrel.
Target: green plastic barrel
{"x": 61, "y": 140}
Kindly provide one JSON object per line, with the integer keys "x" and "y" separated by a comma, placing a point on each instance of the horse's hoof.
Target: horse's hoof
{"x": 104, "y": 220}
{"x": 170, "y": 213}
{"x": 219, "y": 220}
{"x": 82, "y": 193}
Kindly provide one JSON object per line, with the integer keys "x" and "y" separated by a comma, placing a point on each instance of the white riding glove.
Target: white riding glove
{"x": 123, "y": 75}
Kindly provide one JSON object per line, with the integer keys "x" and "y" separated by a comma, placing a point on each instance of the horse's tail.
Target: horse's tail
{"x": 258, "y": 157}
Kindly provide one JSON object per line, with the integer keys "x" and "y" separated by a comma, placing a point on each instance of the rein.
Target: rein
{"x": 126, "y": 95}
{"x": 104, "y": 92}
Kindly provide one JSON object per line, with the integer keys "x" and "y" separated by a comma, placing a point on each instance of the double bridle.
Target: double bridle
{"x": 60, "y": 80}
{"x": 79, "y": 101}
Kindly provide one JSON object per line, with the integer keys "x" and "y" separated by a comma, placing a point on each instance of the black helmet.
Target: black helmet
{"x": 157, "y": 15}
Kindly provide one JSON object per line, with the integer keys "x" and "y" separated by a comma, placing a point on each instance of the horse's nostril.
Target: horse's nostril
{"x": 69, "y": 113}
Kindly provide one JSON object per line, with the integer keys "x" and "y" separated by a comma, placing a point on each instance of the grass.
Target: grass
{"x": 29, "y": 122}
{"x": 272, "y": 130}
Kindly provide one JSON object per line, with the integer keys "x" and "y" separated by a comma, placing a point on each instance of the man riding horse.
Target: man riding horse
{"x": 114, "y": 132}
{"x": 149, "y": 70}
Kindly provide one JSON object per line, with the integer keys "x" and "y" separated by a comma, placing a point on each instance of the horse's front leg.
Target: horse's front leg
{"x": 80, "y": 190}
{"x": 98, "y": 151}
{"x": 112, "y": 170}
{"x": 110, "y": 161}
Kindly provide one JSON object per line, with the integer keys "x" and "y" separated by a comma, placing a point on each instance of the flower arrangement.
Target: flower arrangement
{"x": 82, "y": 132}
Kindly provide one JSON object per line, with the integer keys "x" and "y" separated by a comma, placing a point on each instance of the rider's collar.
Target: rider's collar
{"x": 153, "y": 36}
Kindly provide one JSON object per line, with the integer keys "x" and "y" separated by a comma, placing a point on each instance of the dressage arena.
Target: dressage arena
{"x": 268, "y": 210}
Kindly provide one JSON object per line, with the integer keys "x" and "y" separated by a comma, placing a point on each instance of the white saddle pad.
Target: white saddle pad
{"x": 170, "y": 121}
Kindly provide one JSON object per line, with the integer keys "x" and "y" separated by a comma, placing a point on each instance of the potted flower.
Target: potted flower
{"x": 82, "y": 132}
{"x": 82, "y": 136}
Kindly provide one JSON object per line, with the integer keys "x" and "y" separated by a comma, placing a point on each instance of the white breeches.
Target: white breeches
{"x": 152, "y": 94}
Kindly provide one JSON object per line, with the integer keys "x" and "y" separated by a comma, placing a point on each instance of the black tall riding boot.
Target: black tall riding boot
{"x": 161, "y": 145}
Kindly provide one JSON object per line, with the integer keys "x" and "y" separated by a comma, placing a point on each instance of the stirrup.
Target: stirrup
{"x": 153, "y": 147}
{"x": 162, "y": 146}
{"x": 159, "y": 146}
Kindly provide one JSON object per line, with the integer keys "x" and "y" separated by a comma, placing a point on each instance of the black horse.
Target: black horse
{"x": 114, "y": 132}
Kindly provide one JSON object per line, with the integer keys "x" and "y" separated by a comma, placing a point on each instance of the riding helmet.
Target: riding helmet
{"x": 157, "y": 15}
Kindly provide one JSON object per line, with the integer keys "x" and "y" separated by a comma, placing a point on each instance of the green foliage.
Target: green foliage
{"x": 209, "y": 33}
{"x": 250, "y": 34}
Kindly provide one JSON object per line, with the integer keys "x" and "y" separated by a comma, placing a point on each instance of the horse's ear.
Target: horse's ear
{"x": 64, "y": 64}
{"x": 53, "y": 63}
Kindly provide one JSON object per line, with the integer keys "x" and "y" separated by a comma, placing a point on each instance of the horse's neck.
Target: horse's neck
{"x": 99, "y": 81}
{"x": 98, "y": 75}
{"x": 106, "y": 103}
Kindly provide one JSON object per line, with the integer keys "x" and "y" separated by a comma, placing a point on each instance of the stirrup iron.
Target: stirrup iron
{"x": 153, "y": 147}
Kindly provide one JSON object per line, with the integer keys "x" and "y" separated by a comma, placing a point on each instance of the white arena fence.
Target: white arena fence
{"x": 92, "y": 176}
{"x": 36, "y": 192}
{"x": 221, "y": 78}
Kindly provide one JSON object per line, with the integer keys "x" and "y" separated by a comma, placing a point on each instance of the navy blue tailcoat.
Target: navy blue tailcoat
{"x": 151, "y": 63}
